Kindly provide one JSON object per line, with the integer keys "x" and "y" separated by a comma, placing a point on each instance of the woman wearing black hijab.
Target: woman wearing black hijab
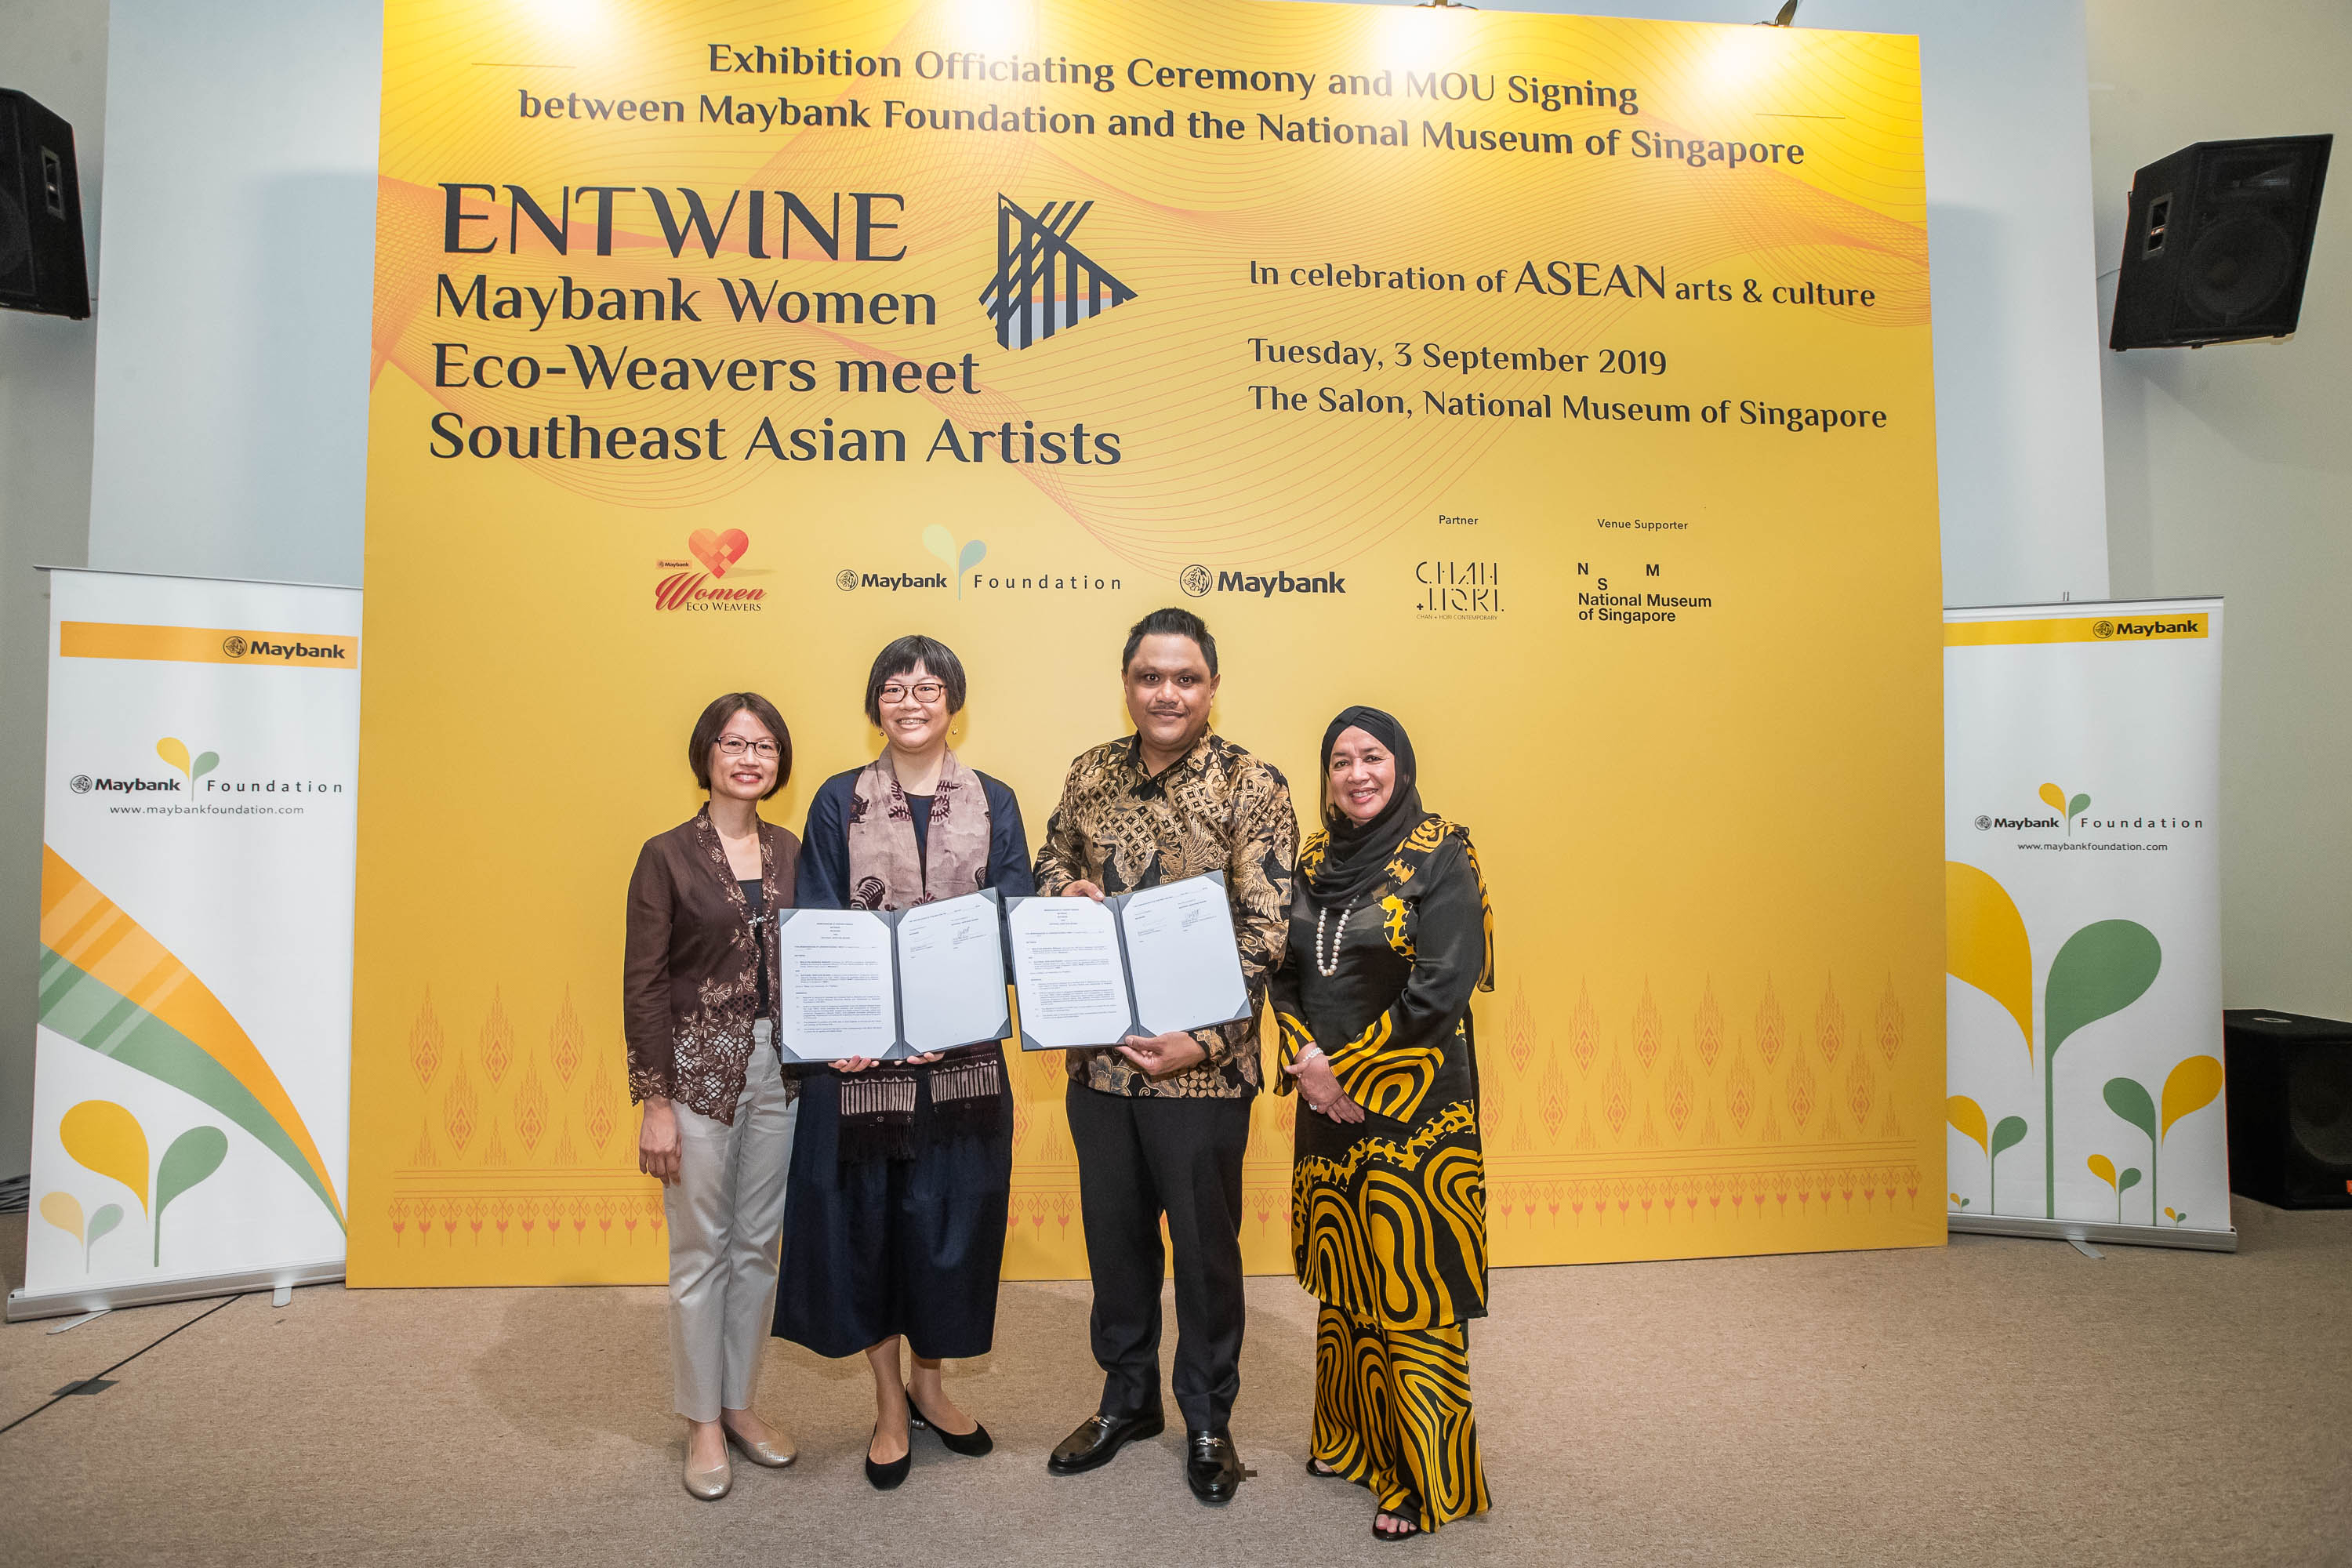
{"x": 1389, "y": 933}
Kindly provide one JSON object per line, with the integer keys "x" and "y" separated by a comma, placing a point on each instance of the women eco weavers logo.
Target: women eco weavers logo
{"x": 691, "y": 590}
{"x": 1034, "y": 258}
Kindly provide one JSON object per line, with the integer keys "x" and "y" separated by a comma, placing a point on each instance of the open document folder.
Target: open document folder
{"x": 1147, "y": 962}
{"x": 896, "y": 983}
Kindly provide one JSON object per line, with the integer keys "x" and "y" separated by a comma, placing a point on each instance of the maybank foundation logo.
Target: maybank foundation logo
{"x": 2068, "y": 812}
{"x": 684, "y": 588}
{"x": 1044, "y": 284}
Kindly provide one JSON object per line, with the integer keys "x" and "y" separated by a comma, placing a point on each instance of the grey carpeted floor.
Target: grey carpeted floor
{"x": 1996, "y": 1401}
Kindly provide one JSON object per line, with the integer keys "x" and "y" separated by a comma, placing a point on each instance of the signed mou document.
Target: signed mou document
{"x": 1147, "y": 962}
{"x": 882, "y": 983}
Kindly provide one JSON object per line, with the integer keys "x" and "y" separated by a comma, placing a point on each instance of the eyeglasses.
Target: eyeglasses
{"x": 922, "y": 691}
{"x": 736, "y": 745}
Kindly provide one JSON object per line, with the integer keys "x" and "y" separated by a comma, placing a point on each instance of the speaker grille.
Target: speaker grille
{"x": 2237, "y": 268}
{"x": 2319, "y": 1106}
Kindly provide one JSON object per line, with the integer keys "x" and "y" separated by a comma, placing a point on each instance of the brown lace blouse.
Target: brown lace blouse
{"x": 689, "y": 973}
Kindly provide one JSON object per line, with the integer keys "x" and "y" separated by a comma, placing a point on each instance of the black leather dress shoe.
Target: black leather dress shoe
{"x": 1211, "y": 1466}
{"x": 1100, "y": 1436}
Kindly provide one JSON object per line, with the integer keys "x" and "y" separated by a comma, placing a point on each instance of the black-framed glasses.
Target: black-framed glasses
{"x": 922, "y": 691}
{"x": 736, "y": 745}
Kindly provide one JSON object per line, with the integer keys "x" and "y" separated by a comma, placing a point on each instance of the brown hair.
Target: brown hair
{"x": 714, "y": 719}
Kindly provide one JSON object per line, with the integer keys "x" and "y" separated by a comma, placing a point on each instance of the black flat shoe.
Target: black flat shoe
{"x": 974, "y": 1442}
{"x": 1212, "y": 1468}
{"x": 1320, "y": 1473}
{"x": 1100, "y": 1436}
{"x": 885, "y": 1477}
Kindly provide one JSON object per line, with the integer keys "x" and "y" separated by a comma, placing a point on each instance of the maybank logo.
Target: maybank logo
{"x": 2071, "y": 809}
{"x": 1044, "y": 284}
{"x": 260, "y": 646}
{"x": 1199, "y": 582}
{"x": 2145, "y": 627}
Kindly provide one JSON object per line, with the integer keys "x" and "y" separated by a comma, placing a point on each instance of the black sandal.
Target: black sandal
{"x": 1411, "y": 1525}
{"x": 1320, "y": 1473}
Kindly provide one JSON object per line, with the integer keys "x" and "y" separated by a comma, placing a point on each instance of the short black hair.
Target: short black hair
{"x": 714, "y": 719}
{"x": 1171, "y": 622}
{"x": 900, "y": 658}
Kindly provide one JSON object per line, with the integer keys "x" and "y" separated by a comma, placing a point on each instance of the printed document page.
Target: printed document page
{"x": 1185, "y": 968}
{"x": 1067, "y": 972}
{"x": 951, "y": 973}
{"x": 837, "y": 993}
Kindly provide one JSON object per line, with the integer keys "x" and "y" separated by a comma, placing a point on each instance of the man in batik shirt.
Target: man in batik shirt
{"x": 1160, "y": 1124}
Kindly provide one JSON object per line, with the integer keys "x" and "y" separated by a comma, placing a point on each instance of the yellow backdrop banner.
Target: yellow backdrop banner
{"x": 1561, "y": 385}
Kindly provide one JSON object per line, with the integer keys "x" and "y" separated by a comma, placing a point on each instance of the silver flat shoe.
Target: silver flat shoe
{"x": 775, "y": 1455}
{"x": 712, "y": 1484}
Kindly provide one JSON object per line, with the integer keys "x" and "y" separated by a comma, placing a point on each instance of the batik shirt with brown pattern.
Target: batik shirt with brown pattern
{"x": 1216, "y": 809}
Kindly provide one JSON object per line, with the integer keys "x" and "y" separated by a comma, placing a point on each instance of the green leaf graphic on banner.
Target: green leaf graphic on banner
{"x": 103, "y": 1221}
{"x": 193, "y": 1155}
{"x": 975, "y": 551}
{"x": 204, "y": 766}
{"x": 2103, "y": 969}
{"x": 2076, "y": 807}
{"x": 2127, "y": 1099}
{"x": 2007, "y": 1136}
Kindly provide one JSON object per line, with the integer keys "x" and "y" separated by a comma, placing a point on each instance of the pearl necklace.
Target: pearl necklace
{"x": 1332, "y": 967}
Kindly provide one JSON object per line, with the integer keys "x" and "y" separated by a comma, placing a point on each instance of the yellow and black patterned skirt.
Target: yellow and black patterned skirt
{"x": 1389, "y": 1231}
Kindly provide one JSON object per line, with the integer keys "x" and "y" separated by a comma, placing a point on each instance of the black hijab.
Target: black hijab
{"x": 1358, "y": 852}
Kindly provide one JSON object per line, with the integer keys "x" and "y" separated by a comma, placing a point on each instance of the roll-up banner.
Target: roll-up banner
{"x": 2083, "y": 888}
{"x": 192, "y": 1076}
{"x": 1560, "y": 384}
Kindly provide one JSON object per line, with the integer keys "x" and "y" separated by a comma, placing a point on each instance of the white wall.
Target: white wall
{"x": 233, "y": 353}
{"x": 2229, "y": 472}
{"x": 54, "y": 50}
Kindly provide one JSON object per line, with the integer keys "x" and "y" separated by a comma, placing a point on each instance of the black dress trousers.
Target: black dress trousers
{"x": 1140, "y": 1158}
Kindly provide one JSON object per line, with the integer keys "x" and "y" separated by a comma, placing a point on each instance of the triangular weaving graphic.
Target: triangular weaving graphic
{"x": 1042, "y": 282}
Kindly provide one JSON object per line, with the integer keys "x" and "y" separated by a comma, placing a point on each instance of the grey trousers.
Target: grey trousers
{"x": 726, "y": 1224}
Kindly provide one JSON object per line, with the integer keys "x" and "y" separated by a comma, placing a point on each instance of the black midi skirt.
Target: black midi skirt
{"x": 888, "y": 1246}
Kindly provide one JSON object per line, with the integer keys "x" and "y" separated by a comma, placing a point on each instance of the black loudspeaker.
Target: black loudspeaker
{"x": 2290, "y": 1081}
{"x": 2218, "y": 243}
{"x": 41, "y": 264}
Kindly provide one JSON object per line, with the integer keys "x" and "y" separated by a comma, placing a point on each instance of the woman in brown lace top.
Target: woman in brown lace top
{"x": 699, "y": 1004}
